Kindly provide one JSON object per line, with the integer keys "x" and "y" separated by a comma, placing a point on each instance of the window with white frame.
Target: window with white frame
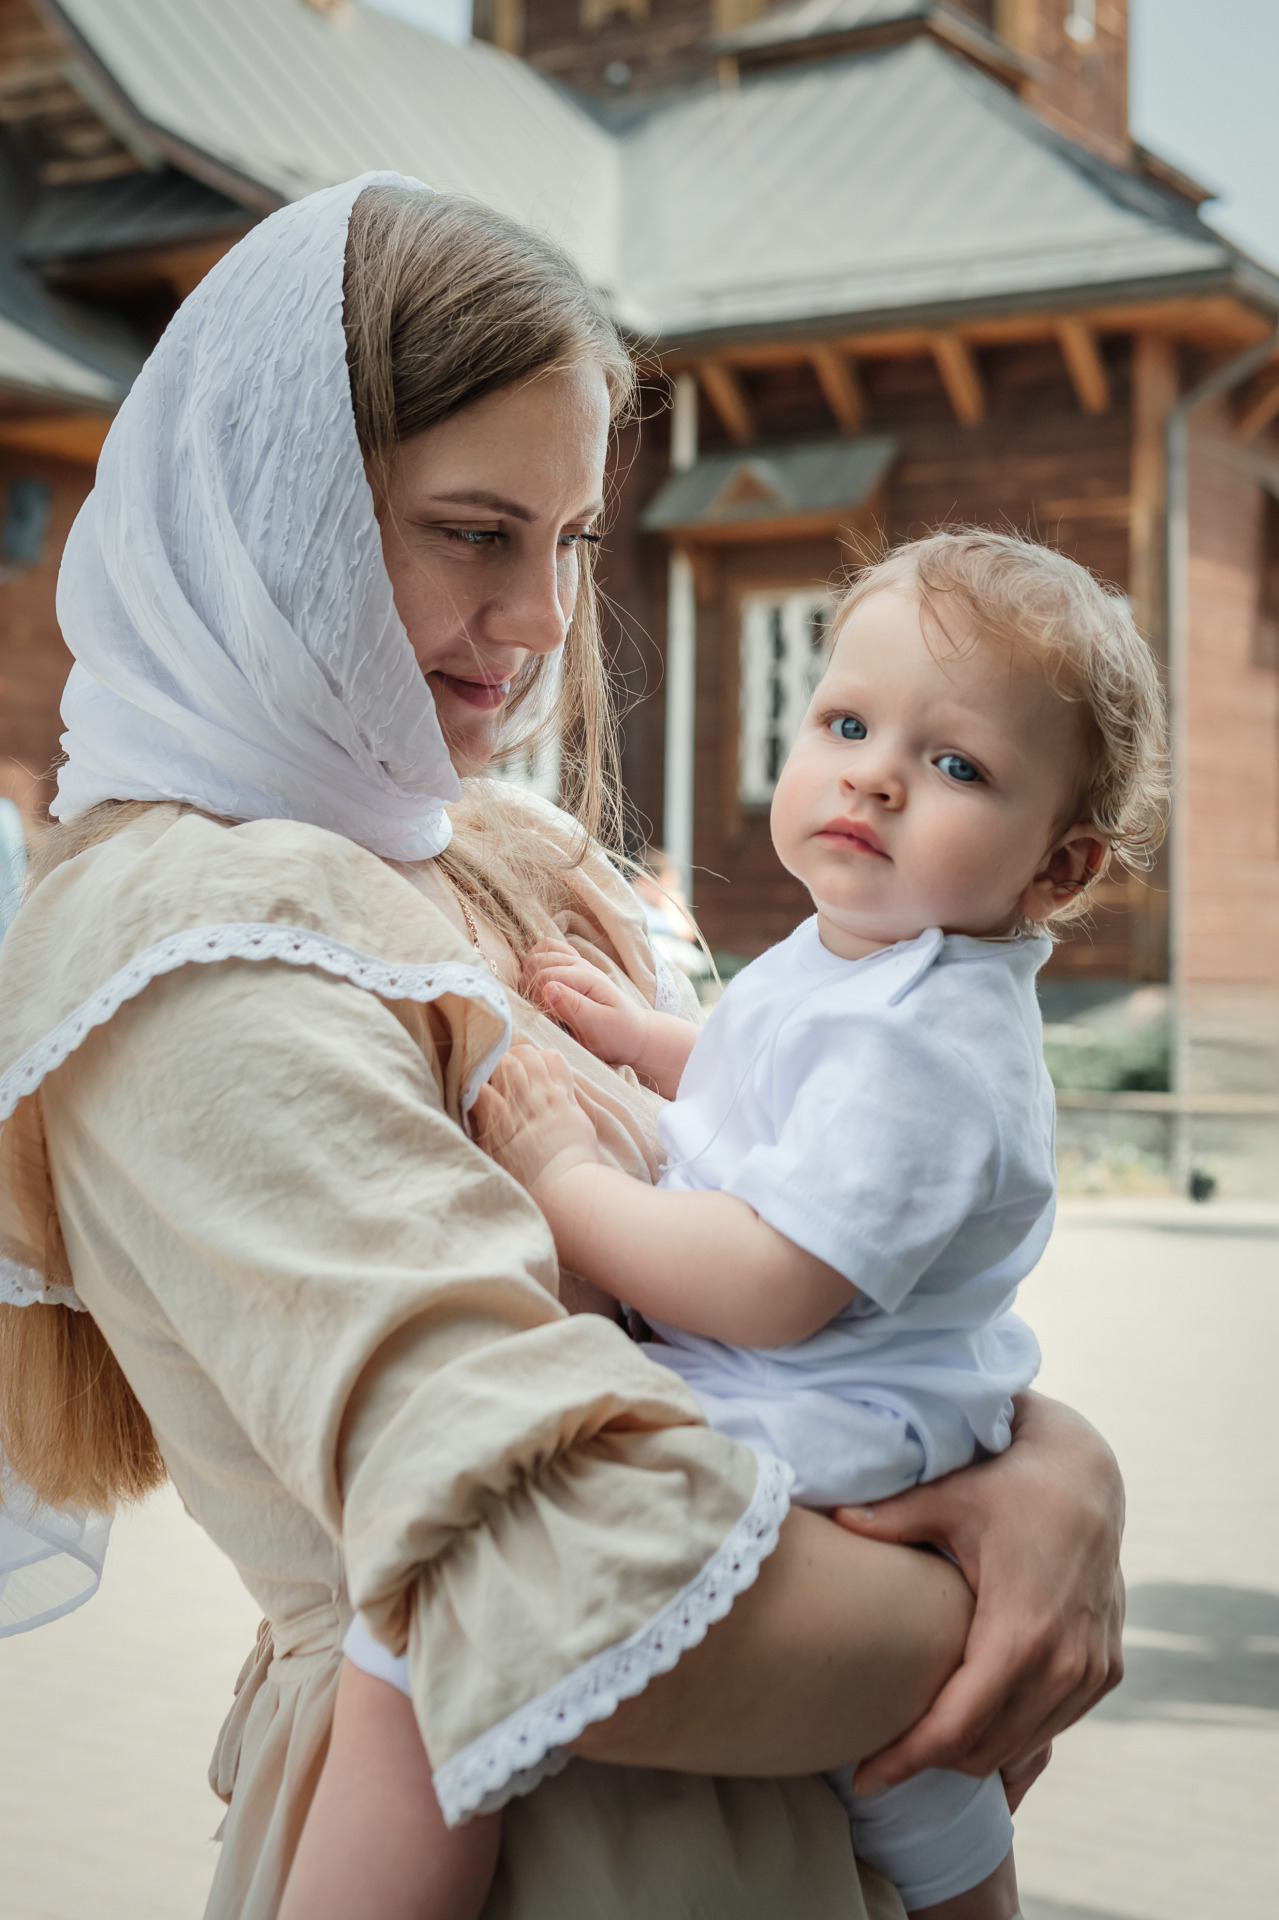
{"x": 783, "y": 650}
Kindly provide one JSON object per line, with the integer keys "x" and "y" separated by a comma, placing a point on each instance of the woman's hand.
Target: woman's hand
{"x": 594, "y": 1009}
{"x": 528, "y": 1119}
{"x": 1036, "y": 1533}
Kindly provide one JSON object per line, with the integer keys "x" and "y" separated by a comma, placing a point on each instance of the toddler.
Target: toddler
{"x": 859, "y": 1151}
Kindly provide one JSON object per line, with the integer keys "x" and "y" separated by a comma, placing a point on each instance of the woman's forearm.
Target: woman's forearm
{"x": 830, "y": 1655}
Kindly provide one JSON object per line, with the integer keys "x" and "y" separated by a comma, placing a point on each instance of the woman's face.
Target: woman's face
{"x": 482, "y": 527}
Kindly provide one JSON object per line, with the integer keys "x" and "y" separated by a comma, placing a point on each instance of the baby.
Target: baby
{"x": 859, "y": 1151}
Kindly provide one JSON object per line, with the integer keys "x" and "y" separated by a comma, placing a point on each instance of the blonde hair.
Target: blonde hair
{"x": 445, "y": 301}
{"x": 973, "y": 585}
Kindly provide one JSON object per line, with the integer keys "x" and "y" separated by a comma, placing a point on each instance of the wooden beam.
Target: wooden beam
{"x": 1260, "y": 411}
{"x": 1087, "y": 369}
{"x": 1154, "y": 393}
{"x": 840, "y": 385}
{"x": 961, "y": 377}
{"x": 724, "y": 392}
{"x": 59, "y": 436}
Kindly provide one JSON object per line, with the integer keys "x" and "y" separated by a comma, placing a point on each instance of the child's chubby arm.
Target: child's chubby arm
{"x": 606, "y": 1022}
{"x": 701, "y": 1261}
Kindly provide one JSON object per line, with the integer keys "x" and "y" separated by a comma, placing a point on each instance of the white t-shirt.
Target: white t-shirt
{"x": 893, "y": 1116}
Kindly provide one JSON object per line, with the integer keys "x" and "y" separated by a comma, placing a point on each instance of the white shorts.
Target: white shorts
{"x": 934, "y": 1836}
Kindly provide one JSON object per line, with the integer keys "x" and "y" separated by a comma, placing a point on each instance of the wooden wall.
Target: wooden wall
{"x": 34, "y": 663}
{"x": 1231, "y": 812}
{"x": 1036, "y": 464}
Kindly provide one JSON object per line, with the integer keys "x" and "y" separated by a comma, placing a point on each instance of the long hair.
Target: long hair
{"x": 445, "y": 301}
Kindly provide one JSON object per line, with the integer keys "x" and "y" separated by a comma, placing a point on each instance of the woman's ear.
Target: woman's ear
{"x": 1071, "y": 862}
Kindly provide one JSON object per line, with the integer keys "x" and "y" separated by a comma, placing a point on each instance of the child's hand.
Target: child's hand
{"x": 528, "y": 1118}
{"x": 596, "y": 1011}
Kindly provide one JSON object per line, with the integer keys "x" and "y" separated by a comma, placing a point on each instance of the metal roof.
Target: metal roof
{"x": 821, "y": 20}
{"x": 847, "y": 191}
{"x": 872, "y": 183}
{"x": 296, "y": 99}
{"x": 30, "y": 364}
{"x": 750, "y": 489}
{"x": 136, "y": 210}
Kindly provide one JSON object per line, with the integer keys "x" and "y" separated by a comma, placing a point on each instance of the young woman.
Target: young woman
{"x": 340, "y": 526}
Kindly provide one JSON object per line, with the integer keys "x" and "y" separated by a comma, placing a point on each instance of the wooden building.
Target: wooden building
{"x": 900, "y": 263}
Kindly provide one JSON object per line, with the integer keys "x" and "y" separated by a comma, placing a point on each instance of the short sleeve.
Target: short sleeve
{"x": 884, "y": 1141}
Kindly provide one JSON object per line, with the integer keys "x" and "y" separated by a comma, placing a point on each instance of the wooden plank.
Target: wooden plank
{"x": 1260, "y": 411}
{"x": 841, "y": 387}
{"x": 1154, "y": 393}
{"x": 60, "y": 436}
{"x": 961, "y": 377}
{"x": 724, "y": 392}
{"x": 1087, "y": 369}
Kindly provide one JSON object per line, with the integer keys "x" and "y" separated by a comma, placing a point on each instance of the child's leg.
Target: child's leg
{"x": 375, "y": 1846}
{"x": 943, "y": 1839}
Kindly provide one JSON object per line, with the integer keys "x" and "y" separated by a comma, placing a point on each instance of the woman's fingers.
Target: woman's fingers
{"x": 909, "y": 1519}
{"x": 1018, "y": 1780}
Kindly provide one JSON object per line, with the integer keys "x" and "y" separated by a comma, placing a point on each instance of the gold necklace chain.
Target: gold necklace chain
{"x": 474, "y": 932}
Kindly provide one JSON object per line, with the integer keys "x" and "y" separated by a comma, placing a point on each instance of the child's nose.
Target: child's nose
{"x": 876, "y": 776}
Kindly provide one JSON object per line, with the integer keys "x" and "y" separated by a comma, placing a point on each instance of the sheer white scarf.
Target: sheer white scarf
{"x": 222, "y": 590}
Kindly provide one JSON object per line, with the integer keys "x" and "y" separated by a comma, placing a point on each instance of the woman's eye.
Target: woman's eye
{"x": 474, "y": 536}
{"x": 848, "y": 727}
{"x": 580, "y": 539}
{"x": 958, "y": 768}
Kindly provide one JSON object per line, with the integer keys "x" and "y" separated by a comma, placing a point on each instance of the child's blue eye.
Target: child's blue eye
{"x": 958, "y": 768}
{"x": 848, "y": 727}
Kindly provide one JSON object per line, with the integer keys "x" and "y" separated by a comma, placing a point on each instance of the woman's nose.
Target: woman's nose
{"x": 529, "y": 610}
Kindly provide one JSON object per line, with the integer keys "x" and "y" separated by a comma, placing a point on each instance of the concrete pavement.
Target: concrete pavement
{"x": 1161, "y": 1326}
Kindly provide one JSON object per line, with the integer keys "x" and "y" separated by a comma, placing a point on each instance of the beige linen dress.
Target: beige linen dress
{"x": 237, "y": 1061}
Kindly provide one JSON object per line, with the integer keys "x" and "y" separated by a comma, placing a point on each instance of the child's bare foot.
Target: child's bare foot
{"x": 995, "y": 1899}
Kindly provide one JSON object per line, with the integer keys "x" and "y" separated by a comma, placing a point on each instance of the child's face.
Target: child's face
{"x": 927, "y": 787}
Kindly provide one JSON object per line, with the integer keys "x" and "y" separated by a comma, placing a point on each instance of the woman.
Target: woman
{"x": 243, "y": 1018}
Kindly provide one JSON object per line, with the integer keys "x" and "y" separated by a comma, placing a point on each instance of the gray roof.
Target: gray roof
{"x": 135, "y": 210}
{"x": 750, "y": 489}
{"x": 32, "y": 365}
{"x": 839, "y": 193}
{"x": 821, "y": 20}
{"x": 295, "y": 99}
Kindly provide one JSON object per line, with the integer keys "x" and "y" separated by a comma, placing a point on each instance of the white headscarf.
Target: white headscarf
{"x": 223, "y": 590}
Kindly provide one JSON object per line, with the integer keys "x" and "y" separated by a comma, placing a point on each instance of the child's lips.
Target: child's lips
{"x": 856, "y": 836}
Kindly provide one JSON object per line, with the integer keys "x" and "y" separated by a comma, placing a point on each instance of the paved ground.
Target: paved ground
{"x": 1161, "y": 1808}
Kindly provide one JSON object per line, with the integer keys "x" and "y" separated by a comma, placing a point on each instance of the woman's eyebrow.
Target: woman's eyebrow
{"x": 498, "y": 503}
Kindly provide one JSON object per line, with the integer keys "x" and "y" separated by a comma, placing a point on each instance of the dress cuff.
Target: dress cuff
{"x": 512, "y": 1757}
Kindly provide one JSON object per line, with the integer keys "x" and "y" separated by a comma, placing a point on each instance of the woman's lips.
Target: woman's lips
{"x": 856, "y": 836}
{"x": 483, "y": 693}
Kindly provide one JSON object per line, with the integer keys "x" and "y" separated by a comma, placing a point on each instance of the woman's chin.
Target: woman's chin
{"x": 471, "y": 736}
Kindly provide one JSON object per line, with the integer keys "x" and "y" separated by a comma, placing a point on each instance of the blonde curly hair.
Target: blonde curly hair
{"x": 975, "y": 584}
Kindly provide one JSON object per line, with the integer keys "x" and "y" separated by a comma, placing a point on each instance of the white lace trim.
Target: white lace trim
{"x": 24, "y": 1287}
{"x": 667, "y": 998}
{"x": 236, "y": 940}
{"x": 524, "y": 1749}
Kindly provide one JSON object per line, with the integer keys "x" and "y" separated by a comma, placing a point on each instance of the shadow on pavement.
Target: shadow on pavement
{"x": 1034, "y": 1908}
{"x": 1197, "y": 1652}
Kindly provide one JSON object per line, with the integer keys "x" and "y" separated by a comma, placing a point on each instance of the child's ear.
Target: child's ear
{"x": 1071, "y": 862}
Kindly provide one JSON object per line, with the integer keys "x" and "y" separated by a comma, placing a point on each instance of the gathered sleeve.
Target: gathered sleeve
{"x": 522, "y": 1500}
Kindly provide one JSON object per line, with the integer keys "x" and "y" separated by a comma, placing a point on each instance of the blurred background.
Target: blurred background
{"x": 887, "y": 264}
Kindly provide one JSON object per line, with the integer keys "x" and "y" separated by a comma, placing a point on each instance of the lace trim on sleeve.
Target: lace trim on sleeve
{"x": 526, "y": 1748}
{"x": 205, "y": 946}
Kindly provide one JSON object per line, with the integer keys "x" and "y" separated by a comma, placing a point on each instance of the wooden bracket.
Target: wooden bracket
{"x": 961, "y": 377}
{"x": 723, "y": 390}
{"x": 840, "y": 385}
{"x": 1087, "y": 369}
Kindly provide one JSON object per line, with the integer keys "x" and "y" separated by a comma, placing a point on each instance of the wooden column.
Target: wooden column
{"x": 1154, "y": 392}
